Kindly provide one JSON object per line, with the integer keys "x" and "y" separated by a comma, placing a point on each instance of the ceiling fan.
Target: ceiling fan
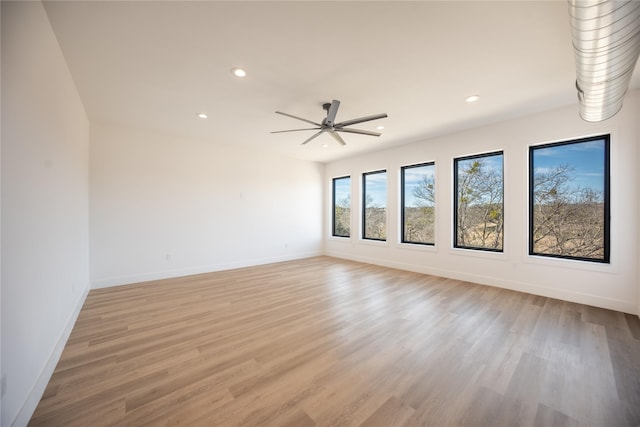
{"x": 328, "y": 123}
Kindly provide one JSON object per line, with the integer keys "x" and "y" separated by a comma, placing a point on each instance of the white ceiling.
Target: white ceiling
{"x": 154, "y": 65}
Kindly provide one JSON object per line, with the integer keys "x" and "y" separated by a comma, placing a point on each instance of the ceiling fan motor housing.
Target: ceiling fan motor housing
{"x": 327, "y": 124}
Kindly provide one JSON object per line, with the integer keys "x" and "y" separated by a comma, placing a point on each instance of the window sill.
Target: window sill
{"x": 371, "y": 242}
{"x": 478, "y": 253}
{"x": 417, "y": 247}
{"x": 571, "y": 264}
{"x": 340, "y": 239}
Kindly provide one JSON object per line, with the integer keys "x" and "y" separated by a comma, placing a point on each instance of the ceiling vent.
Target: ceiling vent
{"x": 606, "y": 42}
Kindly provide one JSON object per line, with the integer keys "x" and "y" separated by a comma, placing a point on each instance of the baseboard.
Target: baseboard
{"x": 580, "y": 298}
{"x": 188, "y": 271}
{"x": 31, "y": 403}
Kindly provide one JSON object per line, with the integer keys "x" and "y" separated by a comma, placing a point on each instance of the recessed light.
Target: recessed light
{"x": 472, "y": 98}
{"x": 238, "y": 72}
{"x": 380, "y": 127}
{"x": 201, "y": 115}
{"x": 325, "y": 145}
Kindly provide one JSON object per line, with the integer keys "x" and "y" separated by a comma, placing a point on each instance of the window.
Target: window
{"x": 342, "y": 206}
{"x": 479, "y": 208}
{"x": 418, "y": 203}
{"x": 569, "y": 199}
{"x": 374, "y": 201}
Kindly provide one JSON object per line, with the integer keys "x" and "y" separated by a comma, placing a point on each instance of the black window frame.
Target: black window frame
{"x": 456, "y": 160}
{"x": 364, "y": 204}
{"x": 402, "y": 204}
{"x": 333, "y": 206}
{"x": 607, "y": 198}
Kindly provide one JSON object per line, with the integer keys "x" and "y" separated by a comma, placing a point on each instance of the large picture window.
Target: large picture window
{"x": 342, "y": 207}
{"x": 569, "y": 199}
{"x": 418, "y": 203}
{"x": 479, "y": 202}
{"x": 374, "y": 202}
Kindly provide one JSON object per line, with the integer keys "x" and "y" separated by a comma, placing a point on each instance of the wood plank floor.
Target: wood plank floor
{"x": 328, "y": 342}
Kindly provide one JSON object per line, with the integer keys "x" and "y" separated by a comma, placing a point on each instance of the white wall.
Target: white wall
{"x": 637, "y": 120}
{"x": 165, "y": 206}
{"x": 612, "y": 286}
{"x": 45, "y": 206}
{"x": 2, "y": 378}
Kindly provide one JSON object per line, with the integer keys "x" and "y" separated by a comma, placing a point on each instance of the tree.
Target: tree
{"x": 425, "y": 192}
{"x": 480, "y": 219}
{"x": 568, "y": 220}
{"x": 342, "y": 217}
{"x": 375, "y": 221}
{"x": 419, "y": 222}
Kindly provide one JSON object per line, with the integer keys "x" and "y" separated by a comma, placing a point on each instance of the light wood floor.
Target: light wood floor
{"x": 327, "y": 342}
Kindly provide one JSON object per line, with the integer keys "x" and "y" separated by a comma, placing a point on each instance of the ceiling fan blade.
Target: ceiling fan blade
{"x": 360, "y": 131}
{"x": 331, "y": 114}
{"x": 360, "y": 120}
{"x": 314, "y": 136}
{"x": 299, "y": 118}
{"x": 337, "y": 138}
{"x": 292, "y": 130}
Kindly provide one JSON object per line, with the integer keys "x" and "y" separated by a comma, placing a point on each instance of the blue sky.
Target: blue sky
{"x": 343, "y": 189}
{"x": 376, "y": 185}
{"x": 585, "y": 158}
{"x": 490, "y": 162}
{"x": 412, "y": 178}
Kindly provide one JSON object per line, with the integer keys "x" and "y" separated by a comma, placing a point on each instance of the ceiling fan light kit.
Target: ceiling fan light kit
{"x": 328, "y": 125}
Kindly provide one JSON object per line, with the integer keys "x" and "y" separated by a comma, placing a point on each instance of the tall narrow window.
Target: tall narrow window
{"x": 418, "y": 203}
{"x": 374, "y": 202}
{"x": 479, "y": 207}
{"x": 569, "y": 199}
{"x": 342, "y": 206}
